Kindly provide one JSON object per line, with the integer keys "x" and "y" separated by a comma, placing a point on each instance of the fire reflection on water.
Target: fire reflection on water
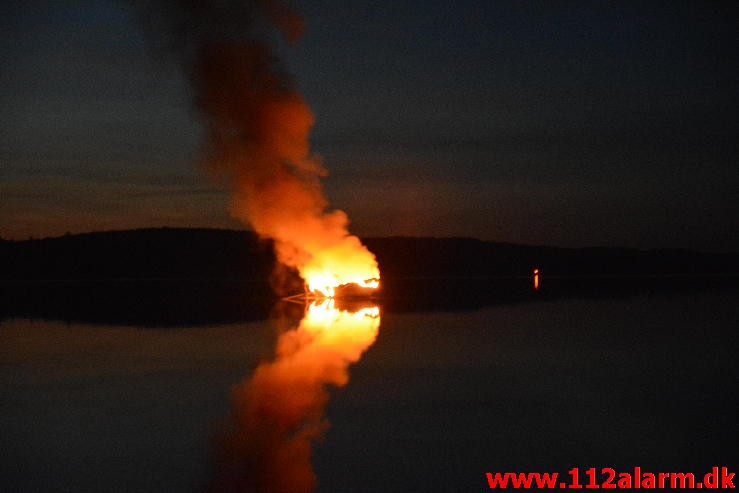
{"x": 277, "y": 414}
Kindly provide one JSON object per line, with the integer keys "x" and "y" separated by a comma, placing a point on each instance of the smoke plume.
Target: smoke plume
{"x": 257, "y": 127}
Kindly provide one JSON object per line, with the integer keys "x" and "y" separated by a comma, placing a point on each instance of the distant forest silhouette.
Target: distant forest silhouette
{"x": 180, "y": 253}
{"x": 175, "y": 277}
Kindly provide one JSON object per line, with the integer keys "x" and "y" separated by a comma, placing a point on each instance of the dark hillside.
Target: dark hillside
{"x": 174, "y": 277}
{"x": 170, "y": 253}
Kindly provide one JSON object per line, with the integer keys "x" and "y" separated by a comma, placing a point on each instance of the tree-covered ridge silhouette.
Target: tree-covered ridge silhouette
{"x": 179, "y": 253}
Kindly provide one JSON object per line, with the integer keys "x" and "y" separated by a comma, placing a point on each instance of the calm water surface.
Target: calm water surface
{"x": 440, "y": 398}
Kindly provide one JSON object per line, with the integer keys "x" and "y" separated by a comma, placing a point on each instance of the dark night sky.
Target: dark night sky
{"x": 564, "y": 123}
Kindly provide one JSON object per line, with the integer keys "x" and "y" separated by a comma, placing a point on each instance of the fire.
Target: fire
{"x": 278, "y": 412}
{"x": 324, "y": 315}
{"x": 324, "y": 284}
{"x": 333, "y": 258}
{"x": 256, "y": 129}
{"x": 258, "y": 138}
{"x": 256, "y": 133}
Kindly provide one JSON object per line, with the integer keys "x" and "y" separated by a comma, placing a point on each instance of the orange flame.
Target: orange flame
{"x": 347, "y": 262}
{"x": 278, "y": 412}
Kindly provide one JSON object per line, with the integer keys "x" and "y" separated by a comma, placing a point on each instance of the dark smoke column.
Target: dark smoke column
{"x": 257, "y": 128}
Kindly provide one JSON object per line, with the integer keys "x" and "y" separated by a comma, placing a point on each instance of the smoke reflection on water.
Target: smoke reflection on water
{"x": 277, "y": 413}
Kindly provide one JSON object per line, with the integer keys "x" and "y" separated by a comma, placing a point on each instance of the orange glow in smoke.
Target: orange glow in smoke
{"x": 278, "y": 412}
{"x": 258, "y": 128}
